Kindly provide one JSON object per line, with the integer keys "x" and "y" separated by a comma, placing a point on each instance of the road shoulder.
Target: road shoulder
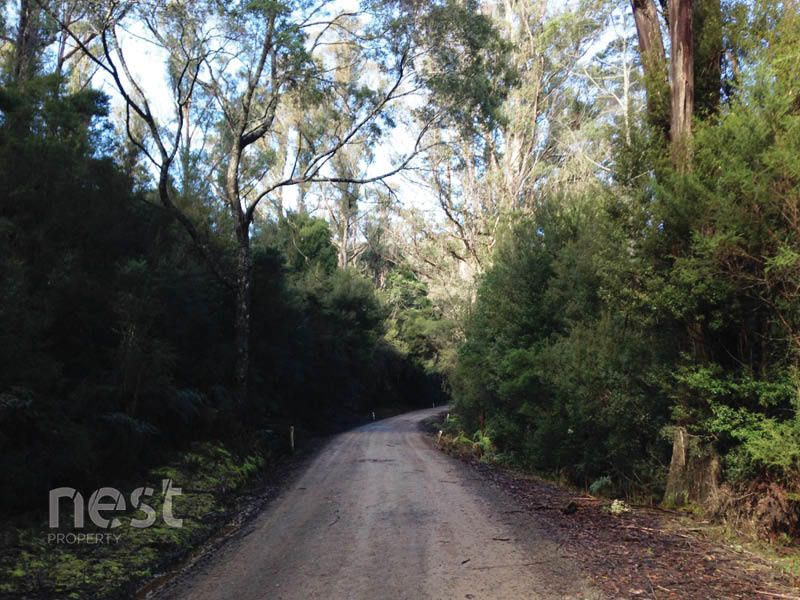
{"x": 641, "y": 553}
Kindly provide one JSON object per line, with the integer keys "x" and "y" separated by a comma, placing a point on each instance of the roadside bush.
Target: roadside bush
{"x": 659, "y": 300}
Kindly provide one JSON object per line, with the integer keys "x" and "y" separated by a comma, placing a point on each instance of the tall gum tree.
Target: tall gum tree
{"x": 240, "y": 63}
{"x": 487, "y": 171}
{"x": 654, "y": 63}
{"x": 695, "y": 58}
{"x": 690, "y": 81}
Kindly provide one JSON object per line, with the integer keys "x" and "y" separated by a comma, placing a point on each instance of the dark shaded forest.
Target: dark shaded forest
{"x": 116, "y": 337}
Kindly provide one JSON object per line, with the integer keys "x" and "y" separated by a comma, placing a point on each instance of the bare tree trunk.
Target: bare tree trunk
{"x": 343, "y": 233}
{"x": 626, "y": 91}
{"x": 682, "y": 71}
{"x": 694, "y": 472}
{"x": 62, "y": 49}
{"x": 654, "y": 63}
{"x": 243, "y": 275}
{"x": 27, "y": 43}
{"x": 186, "y": 156}
{"x": 244, "y": 293}
{"x": 344, "y": 243}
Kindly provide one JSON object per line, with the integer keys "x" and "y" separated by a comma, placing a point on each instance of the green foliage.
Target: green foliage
{"x": 414, "y": 326}
{"x": 304, "y": 241}
{"x": 667, "y": 299}
{"x": 466, "y": 65}
{"x": 601, "y": 485}
{"x": 760, "y": 442}
{"x": 618, "y": 508}
{"x": 469, "y": 70}
{"x": 557, "y": 376}
{"x": 483, "y": 444}
{"x": 116, "y": 346}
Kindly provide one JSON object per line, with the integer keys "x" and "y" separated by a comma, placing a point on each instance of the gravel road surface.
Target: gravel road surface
{"x": 379, "y": 514}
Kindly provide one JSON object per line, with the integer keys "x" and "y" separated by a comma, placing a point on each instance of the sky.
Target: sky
{"x": 147, "y": 60}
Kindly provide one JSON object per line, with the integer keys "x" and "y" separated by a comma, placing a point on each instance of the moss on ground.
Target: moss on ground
{"x": 210, "y": 477}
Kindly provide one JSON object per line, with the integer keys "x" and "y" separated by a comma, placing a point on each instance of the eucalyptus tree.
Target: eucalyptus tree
{"x": 616, "y": 83}
{"x": 349, "y": 62}
{"x": 688, "y": 79}
{"x": 241, "y": 63}
{"x": 34, "y": 42}
{"x": 537, "y": 139}
{"x": 27, "y": 39}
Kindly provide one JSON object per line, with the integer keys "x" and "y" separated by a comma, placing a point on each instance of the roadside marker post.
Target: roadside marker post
{"x": 291, "y": 437}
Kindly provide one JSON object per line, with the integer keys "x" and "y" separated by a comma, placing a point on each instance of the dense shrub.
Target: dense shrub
{"x": 662, "y": 300}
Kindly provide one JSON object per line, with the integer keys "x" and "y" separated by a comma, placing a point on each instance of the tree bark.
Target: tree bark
{"x": 243, "y": 275}
{"x": 654, "y": 63}
{"x": 694, "y": 472}
{"x": 244, "y": 289}
{"x": 28, "y": 43}
{"x": 185, "y": 152}
{"x": 682, "y": 71}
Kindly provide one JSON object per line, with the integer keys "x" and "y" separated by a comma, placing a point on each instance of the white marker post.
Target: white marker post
{"x": 291, "y": 437}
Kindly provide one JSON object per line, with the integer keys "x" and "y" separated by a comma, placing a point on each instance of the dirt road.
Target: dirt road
{"x": 380, "y": 514}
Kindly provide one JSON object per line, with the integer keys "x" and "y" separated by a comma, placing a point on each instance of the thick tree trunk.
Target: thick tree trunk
{"x": 344, "y": 241}
{"x": 694, "y": 472}
{"x": 694, "y": 469}
{"x": 243, "y": 276}
{"x": 654, "y": 63}
{"x": 682, "y": 75}
{"x": 244, "y": 292}
{"x": 27, "y": 43}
